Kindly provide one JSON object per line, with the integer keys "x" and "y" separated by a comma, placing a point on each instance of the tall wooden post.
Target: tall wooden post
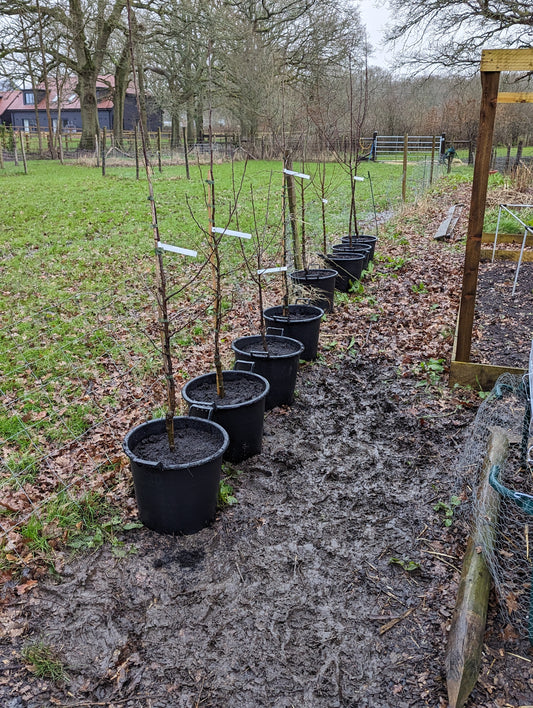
{"x": 22, "y": 149}
{"x": 104, "y": 147}
{"x": 489, "y": 99}
{"x": 432, "y": 161}
{"x": 186, "y": 152}
{"x": 136, "y": 140}
{"x": 404, "y": 173}
{"x": 159, "y": 150}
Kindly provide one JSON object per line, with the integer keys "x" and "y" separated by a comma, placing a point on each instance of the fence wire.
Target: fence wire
{"x": 506, "y": 537}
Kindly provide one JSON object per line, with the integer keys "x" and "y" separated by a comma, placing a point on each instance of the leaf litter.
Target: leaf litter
{"x": 332, "y": 581}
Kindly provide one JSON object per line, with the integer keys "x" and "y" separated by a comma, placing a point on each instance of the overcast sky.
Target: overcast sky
{"x": 375, "y": 19}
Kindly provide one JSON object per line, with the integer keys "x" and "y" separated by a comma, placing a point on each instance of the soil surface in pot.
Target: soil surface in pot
{"x": 275, "y": 347}
{"x": 236, "y": 390}
{"x": 296, "y": 312}
{"x": 191, "y": 445}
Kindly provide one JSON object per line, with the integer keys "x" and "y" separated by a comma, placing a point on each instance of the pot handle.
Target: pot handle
{"x": 242, "y": 365}
{"x": 275, "y": 330}
{"x": 198, "y": 411}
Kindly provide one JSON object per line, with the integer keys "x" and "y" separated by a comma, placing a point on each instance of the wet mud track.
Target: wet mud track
{"x": 296, "y": 596}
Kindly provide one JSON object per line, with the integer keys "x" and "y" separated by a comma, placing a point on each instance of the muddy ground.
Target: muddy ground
{"x": 299, "y": 594}
{"x": 332, "y": 582}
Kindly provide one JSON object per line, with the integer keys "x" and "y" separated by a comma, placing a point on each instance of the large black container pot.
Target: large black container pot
{"x": 342, "y": 248}
{"x": 279, "y": 364}
{"x": 349, "y": 267}
{"x": 320, "y": 282}
{"x": 178, "y": 498}
{"x": 362, "y": 238}
{"x": 241, "y": 417}
{"x": 301, "y": 322}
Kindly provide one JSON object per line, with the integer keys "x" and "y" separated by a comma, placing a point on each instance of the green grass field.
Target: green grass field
{"x": 76, "y": 260}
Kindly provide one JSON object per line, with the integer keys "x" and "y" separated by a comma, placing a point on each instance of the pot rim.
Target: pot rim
{"x": 230, "y": 406}
{"x": 159, "y": 466}
{"x": 342, "y": 256}
{"x": 319, "y": 313}
{"x": 298, "y": 346}
{"x": 314, "y": 273}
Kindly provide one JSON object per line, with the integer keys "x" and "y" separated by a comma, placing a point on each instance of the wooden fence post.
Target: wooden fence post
{"x": 15, "y": 149}
{"x": 104, "y": 141}
{"x": 489, "y": 98}
{"x": 470, "y": 153}
{"x": 404, "y": 173}
{"x": 22, "y": 149}
{"x": 518, "y": 154}
{"x": 60, "y": 145}
{"x": 432, "y": 161}
{"x": 159, "y": 150}
{"x": 186, "y": 152}
{"x": 136, "y": 139}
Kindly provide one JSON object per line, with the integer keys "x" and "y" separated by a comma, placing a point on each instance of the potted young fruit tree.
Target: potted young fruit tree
{"x": 175, "y": 461}
{"x": 235, "y": 399}
{"x": 319, "y": 283}
{"x": 274, "y": 355}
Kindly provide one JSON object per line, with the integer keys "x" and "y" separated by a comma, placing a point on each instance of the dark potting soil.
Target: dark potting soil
{"x": 191, "y": 445}
{"x": 275, "y": 347}
{"x": 297, "y": 312}
{"x": 503, "y": 324}
{"x": 236, "y": 391}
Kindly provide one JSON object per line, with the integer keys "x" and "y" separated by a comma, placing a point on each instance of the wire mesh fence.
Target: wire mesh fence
{"x": 506, "y": 535}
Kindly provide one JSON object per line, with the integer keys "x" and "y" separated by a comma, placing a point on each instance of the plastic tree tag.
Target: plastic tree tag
{"x": 262, "y": 271}
{"x": 177, "y": 249}
{"x": 324, "y": 201}
{"x": 229, "y": 232}
{"x": 297, "y": 174}
{"x": 359, "y": 179}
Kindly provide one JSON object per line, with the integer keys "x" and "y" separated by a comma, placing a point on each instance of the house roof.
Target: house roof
{"x": 14, "y": 100}
{"x": 7, "y": 98}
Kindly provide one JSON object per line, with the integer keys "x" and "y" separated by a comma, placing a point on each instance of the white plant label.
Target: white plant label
{"x": 297, "y": 174}
{"x": 177, "y": 249}
{"x": 229, "y": 232}
{"x": 359, "y": 179}
{"x": 262, "y": 271}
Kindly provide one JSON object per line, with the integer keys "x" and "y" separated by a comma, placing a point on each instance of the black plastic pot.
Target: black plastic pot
{"x": 349, "y": 267}
{"x": 279, "y": 369}
{"x": 242, "y": 421}
{"x": 302, "y": 322}
{"x": 320, "y": 282}
{"x": 181, "y": 498}
{"x": 343, "y": 249}
{"x": 362, "y": 238}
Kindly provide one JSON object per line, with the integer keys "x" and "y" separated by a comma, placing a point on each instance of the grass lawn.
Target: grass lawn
{"x": 76, "y": 261}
